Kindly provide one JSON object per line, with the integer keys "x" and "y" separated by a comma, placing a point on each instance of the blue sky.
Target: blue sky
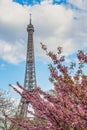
{"x": 56, "y": 22}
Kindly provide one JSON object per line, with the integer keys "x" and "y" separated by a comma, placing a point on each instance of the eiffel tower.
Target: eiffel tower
{"x": 30, "y": 76}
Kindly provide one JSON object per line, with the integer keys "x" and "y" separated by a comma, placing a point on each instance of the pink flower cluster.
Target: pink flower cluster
{"x": 65, "y": 108}
{"x": 82, "y": 56}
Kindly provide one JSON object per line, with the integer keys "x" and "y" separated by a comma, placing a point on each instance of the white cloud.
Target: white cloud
{"x": 55, "y": 25}
{"x": 12, "y": 13}
{"x": 80, "y": 3}
{"x": 13, "y": 53}
{"x": 59, "y": 26}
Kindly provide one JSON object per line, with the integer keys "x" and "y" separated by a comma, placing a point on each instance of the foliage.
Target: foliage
{"x": 66, "y": 108}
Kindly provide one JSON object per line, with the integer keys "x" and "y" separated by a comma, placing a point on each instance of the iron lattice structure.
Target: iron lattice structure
{"x": 30, "y": 77}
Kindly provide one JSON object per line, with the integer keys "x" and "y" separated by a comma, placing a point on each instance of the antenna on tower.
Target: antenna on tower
{"x": 30, "y": 18}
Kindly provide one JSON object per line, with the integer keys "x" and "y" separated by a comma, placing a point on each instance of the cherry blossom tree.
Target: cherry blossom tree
{"x": 66, "y": 107}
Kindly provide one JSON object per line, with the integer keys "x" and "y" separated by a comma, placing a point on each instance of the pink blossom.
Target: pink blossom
{"x": 66, "y": 107}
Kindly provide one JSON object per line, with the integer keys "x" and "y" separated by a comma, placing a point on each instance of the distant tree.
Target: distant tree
{"x": 6, "y": 107}
{"x": 66, "y": 107}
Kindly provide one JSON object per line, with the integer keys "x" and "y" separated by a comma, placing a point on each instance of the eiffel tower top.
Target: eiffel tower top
{"x": 30, "y": 26}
